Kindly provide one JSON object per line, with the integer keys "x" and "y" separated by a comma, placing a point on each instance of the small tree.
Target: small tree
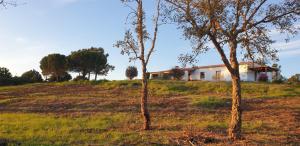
{"x": 131, "y": 72}
{"x": 294, "y": 79}
{"x": 5, "y": 76}
{"x": 177, "y": 73}
{"x": 32, "y": 76}
{"x": 134, "y": 45}
{"x": 54, "y": 65}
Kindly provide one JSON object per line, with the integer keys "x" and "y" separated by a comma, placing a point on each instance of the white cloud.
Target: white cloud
{"x": 284, "y": 46}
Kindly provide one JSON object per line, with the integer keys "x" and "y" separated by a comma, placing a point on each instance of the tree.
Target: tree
{"x": 134, "y": 45}
{"x": 5, "y": 76}
{"x": 237, "y": 26}
{"x": 131, "y": 72}
{"x": 87, "y": 61}
{"x": 294, "y": 79}
{"x": 177, "y": 73}
{"x": 54, "y": 65}
{"x": 32, "y": 76}
{"x": 6, "y": 3}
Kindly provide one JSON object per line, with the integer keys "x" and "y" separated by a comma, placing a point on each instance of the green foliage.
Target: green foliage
{"x": 61, "y": 78}
{"x": 294, "y": 79}
{"x": 5, "y": 76}
{"x": 92, "y": 60}
{"x": 32, "y": 76}
{"x": 177, "y": 73}
{"x": 80, "y": 78}
{"x": 39, "y": 129}
{"x": 54, "y": 65}
{"x": 131, "y": 72}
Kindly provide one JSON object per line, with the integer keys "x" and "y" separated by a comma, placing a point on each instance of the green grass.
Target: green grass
{"x": 51, "y": 129}
{"x": 108, "y": 113}
{"x": 210, "y": 102}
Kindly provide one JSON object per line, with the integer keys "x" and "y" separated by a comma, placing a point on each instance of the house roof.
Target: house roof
{"x": 263, "y": 68}
{"x": 203, "y": 67}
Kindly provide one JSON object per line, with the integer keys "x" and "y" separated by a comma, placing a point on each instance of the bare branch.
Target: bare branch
{"x": 156, "y": 18}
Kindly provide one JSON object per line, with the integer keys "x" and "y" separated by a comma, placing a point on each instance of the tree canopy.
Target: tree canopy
{"x": 5, "y": 76}
{"x": 177, "y": 73}
{"x": 32, "y": 76}
{"x": 87, "y": 61}
{"x": 232, "y": 27}
{"x": 131, "y": 72}
{"x": 54, "y": 65}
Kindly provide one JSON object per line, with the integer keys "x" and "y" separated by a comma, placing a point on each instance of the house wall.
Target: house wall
{"x": 210, "y": 74}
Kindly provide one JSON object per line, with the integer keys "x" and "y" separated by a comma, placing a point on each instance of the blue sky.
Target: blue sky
{"x": 40, "y": 27}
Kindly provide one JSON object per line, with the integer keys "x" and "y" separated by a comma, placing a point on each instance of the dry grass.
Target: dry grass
{"x": 183, "y": 113}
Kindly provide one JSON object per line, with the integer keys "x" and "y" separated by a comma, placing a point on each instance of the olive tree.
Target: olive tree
{"x": 135, "y": 46}
{"x": 232, "y": 27}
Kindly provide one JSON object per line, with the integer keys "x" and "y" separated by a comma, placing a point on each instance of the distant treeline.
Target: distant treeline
{"x": 56, "y": 68}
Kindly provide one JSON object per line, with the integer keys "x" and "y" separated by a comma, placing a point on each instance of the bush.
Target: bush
{"x": 80, "y": 78}
{"x": 5, "y": 76}
{"x": 294, "y": 79}
{"x": 62, "y": 78}
{"x": 31, "y": 76}
{"x": 177, "y": 73}
{"x": 263, "y": 78}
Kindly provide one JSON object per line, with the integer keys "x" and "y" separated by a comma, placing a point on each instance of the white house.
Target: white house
{"x": 248, "y": 72}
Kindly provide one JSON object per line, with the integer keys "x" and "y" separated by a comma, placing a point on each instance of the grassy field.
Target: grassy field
{"x": 107, "y": 113}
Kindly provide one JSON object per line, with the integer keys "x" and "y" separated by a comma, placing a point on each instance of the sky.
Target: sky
{"x": 36, "y": 28}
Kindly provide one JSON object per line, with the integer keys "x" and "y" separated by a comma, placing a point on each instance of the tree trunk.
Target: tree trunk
{"x": 57, "y": 78}
{"x": 144, "y": 100}
{"x": 236, "y": 110}
{"x": 89, "y": 75}
{"x": 96, "y": 76}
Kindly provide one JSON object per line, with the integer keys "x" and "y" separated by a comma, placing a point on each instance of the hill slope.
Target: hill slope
{"x": 107, "y": 113}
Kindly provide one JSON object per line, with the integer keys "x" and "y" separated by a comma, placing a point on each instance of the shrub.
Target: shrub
{"x": 80, "y": 78}
{"x": 61, "y": 78}
{"x": 32, "y": 76}
{"x": 263, "y": 78}
{"x": 5, "y": 76}
{"x": 177, "y": 73}
{"x": 18, "y": 81}
{"x": 131, "y": 72}
{"x": 294, "y": 79}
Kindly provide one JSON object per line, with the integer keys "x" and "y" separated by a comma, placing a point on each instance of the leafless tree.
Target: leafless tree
{"x": 6, "y": 3}
{"x": 234, "y": 26}
{"x": 134, "y": 45}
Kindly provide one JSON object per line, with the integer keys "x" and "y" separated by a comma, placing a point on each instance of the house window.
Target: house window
{"x": 202, "y": 75}
{"x": 218, "y": 75}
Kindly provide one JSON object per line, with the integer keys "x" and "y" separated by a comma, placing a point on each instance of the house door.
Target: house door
{"x": 218, "y": 75}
